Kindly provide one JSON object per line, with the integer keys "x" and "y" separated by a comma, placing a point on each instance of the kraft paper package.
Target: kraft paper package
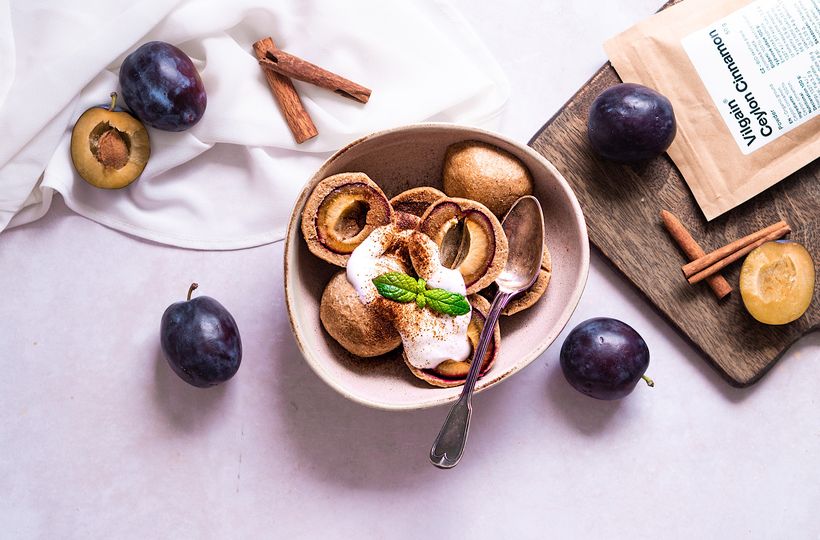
{"x": 744, "y": 80}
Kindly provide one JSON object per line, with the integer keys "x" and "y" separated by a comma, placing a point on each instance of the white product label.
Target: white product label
{"x": 761, "y": 65}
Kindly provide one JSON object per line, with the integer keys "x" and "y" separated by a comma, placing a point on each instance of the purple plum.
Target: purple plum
{"x": 201, "y": 341}
{"x": 630, "y": 122}
{"x": 604, "y": 358}
{"x": 161, "y": 85}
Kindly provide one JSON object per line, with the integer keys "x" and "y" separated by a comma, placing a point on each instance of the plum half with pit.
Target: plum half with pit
{"x": 201, "y": 341}
{"x": 631, "y": 122}
{"x": 162, "y": 86}
{"x": 109, "y": 147}
{"x": 604, "y": 358}
{"x": 341, "y": 211}
{"x": 470, "y": 239}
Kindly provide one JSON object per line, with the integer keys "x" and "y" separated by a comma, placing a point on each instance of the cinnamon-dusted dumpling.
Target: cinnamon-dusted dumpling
{"x": 341, "y": 211}
{"x": 452, "y": 373}
{"x": 487, "y": 174}
{"x": 362, "y": 329}
{"x": 416, "y": 200}
{"x": 409, "y": 205}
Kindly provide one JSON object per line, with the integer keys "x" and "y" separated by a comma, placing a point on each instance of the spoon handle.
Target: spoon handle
{"x": 449, "y": 444}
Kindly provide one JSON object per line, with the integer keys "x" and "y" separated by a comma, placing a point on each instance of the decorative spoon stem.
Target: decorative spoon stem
{"x": 449, "y": 444}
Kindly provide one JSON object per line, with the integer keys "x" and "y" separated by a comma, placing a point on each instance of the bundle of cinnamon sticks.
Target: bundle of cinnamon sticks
{"x": 280, "y": 67}
{"x": 706, "y": 266}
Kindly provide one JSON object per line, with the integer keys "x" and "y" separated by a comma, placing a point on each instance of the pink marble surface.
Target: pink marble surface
{"x": 98, "y": 438}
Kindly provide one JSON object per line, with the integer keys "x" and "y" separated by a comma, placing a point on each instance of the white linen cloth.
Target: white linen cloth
{"x": 230, "y": 181}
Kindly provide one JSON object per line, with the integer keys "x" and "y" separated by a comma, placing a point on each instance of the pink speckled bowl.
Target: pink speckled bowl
{"x": 399, "y": 159}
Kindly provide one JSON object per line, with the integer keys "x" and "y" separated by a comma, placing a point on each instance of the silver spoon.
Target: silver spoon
{"x": 524, "y": 227}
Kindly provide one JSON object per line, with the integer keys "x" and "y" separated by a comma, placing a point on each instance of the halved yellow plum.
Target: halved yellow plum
{"x": 109, "y": 147}
{"x": 777, "y": 282}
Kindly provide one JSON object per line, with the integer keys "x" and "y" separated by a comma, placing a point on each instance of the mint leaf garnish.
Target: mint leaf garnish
{"x": 404, "y": 289}
{"x": 397, "y": 287}
{"x": 446, "y": 302}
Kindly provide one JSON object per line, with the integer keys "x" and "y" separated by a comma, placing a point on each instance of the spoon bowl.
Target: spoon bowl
{"x": 524, "y": 227}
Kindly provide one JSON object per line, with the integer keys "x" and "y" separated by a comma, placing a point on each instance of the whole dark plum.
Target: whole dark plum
{"x": 630, "y": 122}
{"x": 201, "y": 341}
{"x": 604, "y": 358}
{"x": 162, "y": 87}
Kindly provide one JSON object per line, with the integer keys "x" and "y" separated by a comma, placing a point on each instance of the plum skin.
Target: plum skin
{"x": 630, "y": 122}
{"x": 604, "y": 358}
{"x": 161, "y": 85}
{"x": 201, "y": 341}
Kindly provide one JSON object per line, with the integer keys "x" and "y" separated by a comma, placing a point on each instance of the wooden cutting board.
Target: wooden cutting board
{"x": 621, "y": 204}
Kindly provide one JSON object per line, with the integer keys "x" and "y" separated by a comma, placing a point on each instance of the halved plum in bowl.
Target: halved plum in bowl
{"x": 470, "y": 239}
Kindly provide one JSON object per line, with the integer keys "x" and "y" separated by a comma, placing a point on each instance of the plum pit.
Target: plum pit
{"x": 110, "y": 146}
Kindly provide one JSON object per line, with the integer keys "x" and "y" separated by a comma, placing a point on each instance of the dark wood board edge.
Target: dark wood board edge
{"x": 572, "y": 98}
{"x": 581, "y": 89}
{"x": 678, "y": 330}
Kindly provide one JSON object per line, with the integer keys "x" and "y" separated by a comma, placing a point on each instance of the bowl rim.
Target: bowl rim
{"x": 563, "y": 318}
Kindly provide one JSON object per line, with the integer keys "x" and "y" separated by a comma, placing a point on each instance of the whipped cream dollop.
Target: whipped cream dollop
{"x": 429, "y": 338}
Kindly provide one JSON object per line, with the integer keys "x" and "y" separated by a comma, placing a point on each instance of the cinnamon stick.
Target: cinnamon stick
{"x": 298, "y": 119}
{"x": 302, "y": 70}
{"x": 710, "y": 259}
{"x": 693, "y": 251}
{"x": 722, "y": 263}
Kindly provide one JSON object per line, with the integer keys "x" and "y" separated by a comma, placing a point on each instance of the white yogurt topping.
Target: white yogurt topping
{"x": 429, "y": 338}
{"x": 368, "y": 261}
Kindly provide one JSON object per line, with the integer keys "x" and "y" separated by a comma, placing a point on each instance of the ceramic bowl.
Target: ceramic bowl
{"x": 403, "y": 158}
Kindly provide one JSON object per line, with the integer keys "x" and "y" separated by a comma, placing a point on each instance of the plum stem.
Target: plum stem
{"x": 194, "y": 286}
{"x": 113, "y": 101}
{"x": 649, "y": 381}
